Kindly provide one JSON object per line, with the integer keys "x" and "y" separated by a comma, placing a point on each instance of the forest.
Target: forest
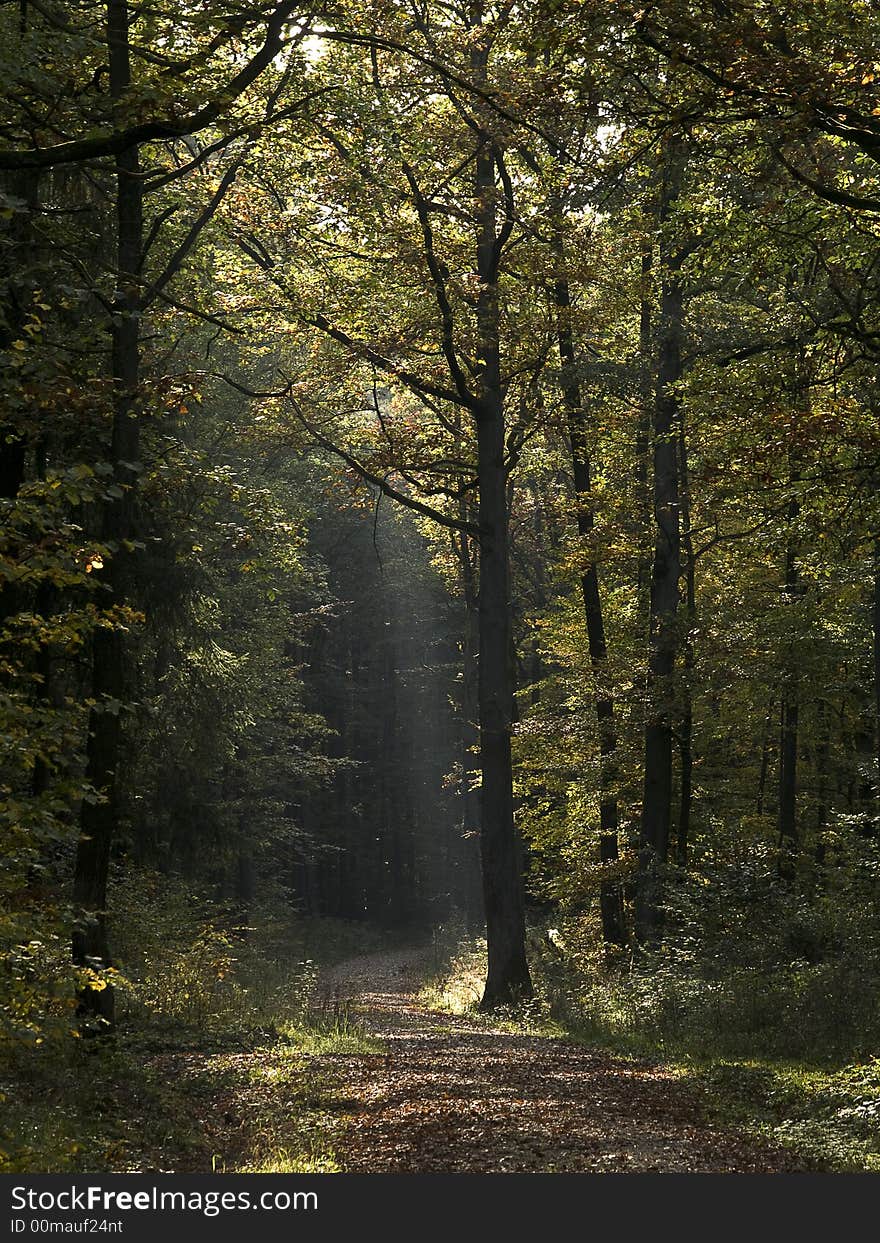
{"x": 440, "y": 586}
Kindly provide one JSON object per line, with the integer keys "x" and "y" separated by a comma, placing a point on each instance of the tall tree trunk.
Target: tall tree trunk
{"x": 787, "y": 822}
{"x": 876, "y": 626}
{"x": 765, "y": 757}
{"x": 665, "y": 569}
{"x": 686, "y": 723}
{"x": 469, "y": 741}
{"x": 508, "y": 978}
{"x": 644, "y": 423}
{"x": 99, "y": 818}
{"x": 13, "y": 443}
{"x": 822, "y": 753}
{"x": 610, "y": 893}
{"x": 788, "y": 737}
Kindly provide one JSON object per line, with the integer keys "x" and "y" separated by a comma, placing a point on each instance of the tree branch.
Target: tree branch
{"x": 447, "y": 318}
{"x": 381, "y": 482}
{"x": 81, "y": 149}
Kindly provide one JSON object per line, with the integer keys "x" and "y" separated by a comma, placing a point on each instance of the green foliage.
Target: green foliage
{"x": 746, "y": 969}
{"x": 297, "y": 731}
{"x": 242, "y": 1009}
{"x": 191, "y": 969}
{"x": 831, "y": 1118}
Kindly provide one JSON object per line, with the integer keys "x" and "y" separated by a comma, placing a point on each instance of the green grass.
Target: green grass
{"x": 131, "y": 1104}
{"x": 89, "y": 1107}
{"x": 456, "y": 982}
{"x": 456, "y": 986}
{"x": 330, "y": 1027}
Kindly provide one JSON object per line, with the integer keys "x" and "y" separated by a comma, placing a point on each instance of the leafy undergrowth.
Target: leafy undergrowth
{"x": 214, "y": 1064}
{"x": 455, "y": 986}
{"x": 829, "y": 1117}
{"x": 457, "y": 974}
{"x": 136, "y": 1105}
{"x": 231, "y": 1059}
{"x": 89, "y": 1107}
{"x": 816, "y": 1098}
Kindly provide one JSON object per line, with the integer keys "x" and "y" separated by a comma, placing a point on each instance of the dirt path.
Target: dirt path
{"x": 459, "y": 1095}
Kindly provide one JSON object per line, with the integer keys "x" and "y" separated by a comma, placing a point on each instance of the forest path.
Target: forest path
{"x": 461, "y": 1094}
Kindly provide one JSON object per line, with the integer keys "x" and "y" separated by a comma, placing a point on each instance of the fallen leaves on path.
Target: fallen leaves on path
{"x": 461, "y": 1096}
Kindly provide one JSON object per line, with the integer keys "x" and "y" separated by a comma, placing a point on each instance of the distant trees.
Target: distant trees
{"x": 424, "y": 237}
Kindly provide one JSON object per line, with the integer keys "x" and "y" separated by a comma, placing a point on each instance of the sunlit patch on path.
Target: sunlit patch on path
{"x": 460, "y": 1095}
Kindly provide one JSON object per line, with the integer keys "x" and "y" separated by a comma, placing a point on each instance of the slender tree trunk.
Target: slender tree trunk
{"x": 787, "y": 822}
{"x": 610, "y": 894}
{"x": 876, "y": 625}
{"x": 45, "y": 604}
{"x": 508, "y": 978}
{"x": 765, "y": 758}
{"x": 643, "y": 432}
{"x": 665, "y": 571}
{"x": 469, "y": 742}
{"x": 13, "y": 443}
{"x": 788, "y": 737}
{"x": 245, "y": 883}
{"x": 686, "y": 724}
{"x": 822, "y": 754}
{"x": 99, "y": 818}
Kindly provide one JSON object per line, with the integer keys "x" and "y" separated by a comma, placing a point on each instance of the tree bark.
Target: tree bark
{"x": 644, "y": 519}
{"x": 13, "y": 443}
{"x": 686, "y": 722}
{"x": 508, "y": 978}
{"x": 610, "y": 893}
{"x": 788, "y": 737}
{"x": 876, "y": 628}
{"x": 822, "y": 755}
{"x": 469, "y": 741}
{"x": 665, "y": 570}
{"x": 765, "y": 758}
{"x": 109, "y": 663}
{"x": 787, "y": 822}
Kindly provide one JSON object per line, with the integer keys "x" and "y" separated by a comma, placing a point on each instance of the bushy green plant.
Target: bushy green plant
{"x": 748, "y": 966}
{"x": 190, "y": 964}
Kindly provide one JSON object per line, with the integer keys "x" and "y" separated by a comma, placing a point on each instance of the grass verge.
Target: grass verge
{"x": 218, "y": 1064}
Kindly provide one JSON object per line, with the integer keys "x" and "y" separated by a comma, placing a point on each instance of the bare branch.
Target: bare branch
{"x": 175, "y": 262}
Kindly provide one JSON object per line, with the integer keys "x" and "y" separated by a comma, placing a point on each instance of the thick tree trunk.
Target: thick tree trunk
{"x": 665, "y": 573}
{"x": 610, "y": 894}
{"x": 508, "y": 977}
{"x": 99, "y": 818}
